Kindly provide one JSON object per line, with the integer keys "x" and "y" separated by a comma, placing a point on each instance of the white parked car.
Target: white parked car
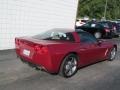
{"x": 80, "y": 22}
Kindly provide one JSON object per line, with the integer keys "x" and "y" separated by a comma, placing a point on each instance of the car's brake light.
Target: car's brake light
{"x": 37, "y": 48}
{"x": 107, "y": 30}
{"x": 17, "y": 41}
{"x": 40, "y": 49}
{"x": 44, "y": 49}
{"x": 114, "y": 28}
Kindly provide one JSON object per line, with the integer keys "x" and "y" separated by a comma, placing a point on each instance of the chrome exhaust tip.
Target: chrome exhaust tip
{"x": 40, "y": 68}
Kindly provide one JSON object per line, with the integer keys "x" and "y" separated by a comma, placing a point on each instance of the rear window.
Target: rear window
{"x": 106, "y": 24}
{"x": 55, "y": 35}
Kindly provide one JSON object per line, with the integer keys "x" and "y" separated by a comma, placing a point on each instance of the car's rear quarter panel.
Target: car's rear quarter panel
{"x": 58, "y": 53}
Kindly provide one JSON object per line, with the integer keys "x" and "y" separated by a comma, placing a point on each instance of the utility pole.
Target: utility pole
{"x": 105, "y": 9}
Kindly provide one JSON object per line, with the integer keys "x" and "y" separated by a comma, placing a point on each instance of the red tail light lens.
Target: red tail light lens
{"x": 41, "y": 49}
{"x": 37, "y": 48}
{"x": 114, "y": 28}
{"x": 107, "y": 30}
{"x": 44, "y": 49}
{"x": 17, "y": 41}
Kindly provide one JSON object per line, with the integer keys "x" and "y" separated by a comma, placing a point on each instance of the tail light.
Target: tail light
{"x": 114, "y": 29}
{"x": 17, "y": 41}
{"x": 107, "y": 30}
{"x": 41, "y": 49}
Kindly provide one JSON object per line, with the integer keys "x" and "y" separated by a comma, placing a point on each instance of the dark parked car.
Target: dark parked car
{"x": 98, "y": 29}
{"x": 113, "y": 26}
{"x": 63, "y": 51}
{"x": 116, "y": 27}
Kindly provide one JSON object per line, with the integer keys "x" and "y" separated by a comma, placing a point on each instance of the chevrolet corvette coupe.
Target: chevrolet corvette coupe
{"x": 63, "y": 51}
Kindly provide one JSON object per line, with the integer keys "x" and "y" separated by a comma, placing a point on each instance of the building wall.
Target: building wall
{"x": 30, "y": 17}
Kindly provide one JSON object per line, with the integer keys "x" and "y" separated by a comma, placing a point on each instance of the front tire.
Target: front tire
{"x": 98, "y": 35}
{"x": 69, "y": 66}
{"x": 112, "y": 54}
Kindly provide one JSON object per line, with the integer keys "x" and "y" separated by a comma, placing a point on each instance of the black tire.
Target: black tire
{"x": 110, "y": 37}
{"x": 98, "y": 35}
{"x": 66, "y": 66}
{"x": 112, "y": 54}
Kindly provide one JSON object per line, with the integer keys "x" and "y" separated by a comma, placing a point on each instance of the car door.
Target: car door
{"x": 89, "y": 51}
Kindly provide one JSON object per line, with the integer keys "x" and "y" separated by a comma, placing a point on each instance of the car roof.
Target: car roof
{"x": 64, "y": 30}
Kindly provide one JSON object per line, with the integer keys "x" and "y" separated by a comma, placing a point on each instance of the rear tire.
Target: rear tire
{"x": 69, "y": 66}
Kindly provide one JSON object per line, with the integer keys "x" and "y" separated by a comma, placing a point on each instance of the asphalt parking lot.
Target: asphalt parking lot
{"x": 14, "y": 75}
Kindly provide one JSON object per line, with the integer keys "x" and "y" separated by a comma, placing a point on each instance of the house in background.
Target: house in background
{"x": 30, "y": 17}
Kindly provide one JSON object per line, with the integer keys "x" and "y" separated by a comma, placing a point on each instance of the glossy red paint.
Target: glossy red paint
{"x": 50, "y": 54}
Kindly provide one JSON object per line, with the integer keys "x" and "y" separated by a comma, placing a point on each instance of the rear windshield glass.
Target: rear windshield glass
{"x": 105, "y": 24}
{"x": 55, "y": 35}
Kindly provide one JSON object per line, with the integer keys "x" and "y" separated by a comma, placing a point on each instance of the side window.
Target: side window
{"x": 87, "y": 38}
{"x": 87, "y": 25}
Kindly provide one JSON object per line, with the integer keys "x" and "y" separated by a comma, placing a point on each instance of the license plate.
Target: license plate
{"x": 26, "y": 52}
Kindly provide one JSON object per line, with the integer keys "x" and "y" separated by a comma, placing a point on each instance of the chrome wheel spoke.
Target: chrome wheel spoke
{"x": 71, "y": 66}
{"x": 113, "y": 53}
{"x": 75, "y": 63}
{"x": 70, "y": 72}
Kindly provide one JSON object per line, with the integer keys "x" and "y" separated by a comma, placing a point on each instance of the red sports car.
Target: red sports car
{"x": 63, "y": 51}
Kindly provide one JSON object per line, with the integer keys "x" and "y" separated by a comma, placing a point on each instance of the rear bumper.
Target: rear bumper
{"x": 44, "y": 62}
{"x": 107, "y": 35}
{"x": 37, "y": 67}
{"x": 111, "y": 34}
{"x": 116, "y": 34}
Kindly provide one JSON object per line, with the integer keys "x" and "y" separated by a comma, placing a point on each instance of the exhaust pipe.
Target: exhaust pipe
{"x": 34, "y": 66}
{"x": 40, "y": 68}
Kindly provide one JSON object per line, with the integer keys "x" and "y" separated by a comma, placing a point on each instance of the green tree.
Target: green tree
{"x": 95, "y": 9}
